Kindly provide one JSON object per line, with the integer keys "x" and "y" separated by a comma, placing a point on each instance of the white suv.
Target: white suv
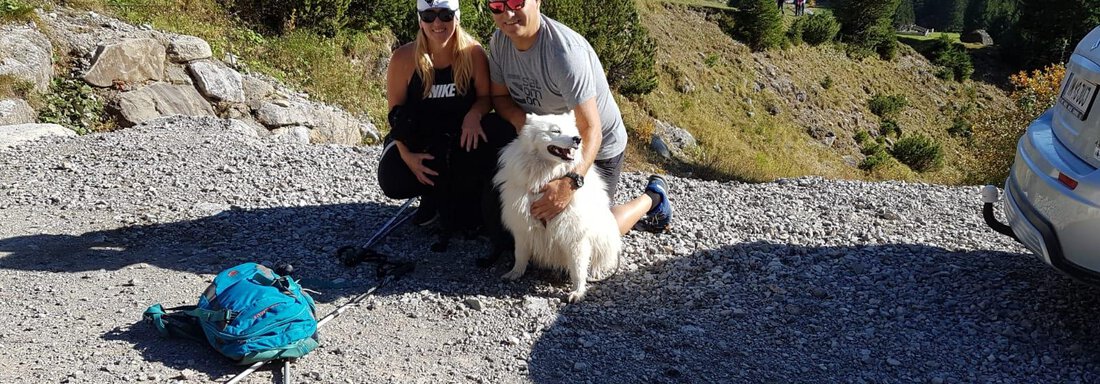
{"x": 1052, "y": 195}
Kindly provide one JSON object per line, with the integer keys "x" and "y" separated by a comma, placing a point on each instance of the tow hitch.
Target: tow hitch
{"x": 991, "y": 195}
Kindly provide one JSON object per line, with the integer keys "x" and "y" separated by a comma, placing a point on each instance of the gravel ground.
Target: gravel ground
{"x": 800, "y": 280}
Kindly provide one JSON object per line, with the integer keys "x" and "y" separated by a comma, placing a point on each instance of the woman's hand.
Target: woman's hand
{"x": 471, "y": 131}
{"x": 415, "y": 162}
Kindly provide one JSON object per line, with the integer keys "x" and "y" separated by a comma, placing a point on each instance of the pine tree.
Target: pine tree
{"x": 867, "y": 26}
{"x": 905, "y": 14}
{"x": 1049, "y": 30}
{"x": 758, "y": 24}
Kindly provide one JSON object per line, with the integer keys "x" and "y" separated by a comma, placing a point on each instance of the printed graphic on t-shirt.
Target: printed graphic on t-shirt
{"x": 529, "y": 92}
{"x": 442, "y": 90}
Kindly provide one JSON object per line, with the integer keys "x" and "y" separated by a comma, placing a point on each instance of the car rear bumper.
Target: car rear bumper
{"x": 1059, "y": 224}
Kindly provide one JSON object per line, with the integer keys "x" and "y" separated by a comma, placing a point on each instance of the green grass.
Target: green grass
{"x": 954, "y": 37}
{"x": 15, "y": 11}
{"x": 917, "y": 41}
{"x": 701, "y": 3}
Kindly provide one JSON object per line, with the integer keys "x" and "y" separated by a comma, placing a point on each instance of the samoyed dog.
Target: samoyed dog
{"x": 584, "y": 239}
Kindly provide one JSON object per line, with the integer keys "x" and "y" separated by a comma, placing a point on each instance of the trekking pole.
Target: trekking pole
{"x": 393, "y": 273}
{"x": 395, "y": 221}
{"x": 388, "y": 274}
{"x": 351, "y": 255}
{"x": 387, "y": 228}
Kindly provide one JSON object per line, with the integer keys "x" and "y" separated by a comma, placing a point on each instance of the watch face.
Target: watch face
{"x": 578, "y": 180}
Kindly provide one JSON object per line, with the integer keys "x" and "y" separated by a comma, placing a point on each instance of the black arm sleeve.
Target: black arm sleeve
{"x": 401, "y": 123}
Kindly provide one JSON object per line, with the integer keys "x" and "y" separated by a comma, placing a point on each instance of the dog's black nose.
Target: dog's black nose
{"x": 576, "y": 139}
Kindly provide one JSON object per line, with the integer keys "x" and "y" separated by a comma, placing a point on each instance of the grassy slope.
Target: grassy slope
{"x": 763, "y": 147}
{"x": 741, "y": 140}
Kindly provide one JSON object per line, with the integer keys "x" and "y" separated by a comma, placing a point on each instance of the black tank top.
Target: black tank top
{"x": 439, "y": 115}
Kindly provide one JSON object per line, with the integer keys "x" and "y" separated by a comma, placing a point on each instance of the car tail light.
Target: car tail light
{"x": 1071, "y": 183}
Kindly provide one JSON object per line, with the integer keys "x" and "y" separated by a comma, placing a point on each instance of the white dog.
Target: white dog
{"x": 584, "y": 239}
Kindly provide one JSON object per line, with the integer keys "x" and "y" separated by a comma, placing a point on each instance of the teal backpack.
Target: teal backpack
{"x": 249, "y": 314}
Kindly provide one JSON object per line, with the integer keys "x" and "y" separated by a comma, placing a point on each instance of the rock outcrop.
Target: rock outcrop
{"x": 11, "y": 135}
{"x": 146, "y": 74}
{"x": 15, "y": 111}
{"x": 162, "y": 99}
{"x": 126, "y": 61}
{"x": 27, "y": 55}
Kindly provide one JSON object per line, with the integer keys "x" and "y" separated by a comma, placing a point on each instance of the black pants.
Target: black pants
{"x": 463, "y": 176}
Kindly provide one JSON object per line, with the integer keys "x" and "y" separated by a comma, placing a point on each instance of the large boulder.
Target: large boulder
{"x": 162, "y": 99}
{"x": 15, "y": 111}
{"x": 979, "y": 36}
{"x": 294, "y": 135}
{"x": 282, "y": 113}
{"x": 331, "y": 125}
{"x": 127, "y": 61}
{"x": 217, "y": 81}
{"x": 671, "y": 141}
{"x": 256, "y": 91}
{"x": 27, "y": 55}
{"x": 12, "y": 135}
{"x": 183, "y": 49}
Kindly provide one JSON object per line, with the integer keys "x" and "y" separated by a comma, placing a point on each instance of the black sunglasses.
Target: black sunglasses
{"x": 498, "y": 6}
{"x": 446, "y": 15}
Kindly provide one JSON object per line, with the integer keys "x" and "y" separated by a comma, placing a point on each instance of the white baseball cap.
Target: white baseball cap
{"x": 423, "y": 5}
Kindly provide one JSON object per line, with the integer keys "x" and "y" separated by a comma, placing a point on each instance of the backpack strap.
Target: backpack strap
{"x": 210, "y": 315}
{"x": 174, "y": 322}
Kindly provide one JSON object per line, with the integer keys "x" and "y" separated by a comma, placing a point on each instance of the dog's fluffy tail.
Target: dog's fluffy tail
{"x": 605, "y": 256}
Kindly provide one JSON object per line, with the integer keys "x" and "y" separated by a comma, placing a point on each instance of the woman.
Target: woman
{"x": 438, "y": 93}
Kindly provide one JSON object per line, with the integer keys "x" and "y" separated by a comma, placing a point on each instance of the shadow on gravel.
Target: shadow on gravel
{"x": 205, "y": 245}
{"x": 306, "y": 237}
{"x": 762, "y": 312}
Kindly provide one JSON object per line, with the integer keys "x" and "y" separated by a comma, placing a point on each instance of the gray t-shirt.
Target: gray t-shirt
{"x": 555, "y": 75}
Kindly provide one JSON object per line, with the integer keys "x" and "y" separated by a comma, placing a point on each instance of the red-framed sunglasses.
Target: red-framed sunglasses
{"x": 445, "y": 15}
{"x": 498, "y": 7}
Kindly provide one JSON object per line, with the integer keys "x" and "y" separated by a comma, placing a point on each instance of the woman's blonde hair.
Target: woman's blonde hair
{"x": 462, "y": 68}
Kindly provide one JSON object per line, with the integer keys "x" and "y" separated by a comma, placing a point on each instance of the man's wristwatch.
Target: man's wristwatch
{"x": 577, "y": 180}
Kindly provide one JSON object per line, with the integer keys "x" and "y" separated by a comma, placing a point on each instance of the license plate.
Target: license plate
{"x": 1077, "y": 96}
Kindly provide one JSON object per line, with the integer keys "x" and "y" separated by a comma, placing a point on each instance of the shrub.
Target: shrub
{"x": 919, "y": 152}
{"x": 999, "y": 130}
{"x": 15, "y": 10}
{"x": 886, "y": 106}
{"x": 616, "y": 33}
{"x": 960, "y": 128}
{"x": 861, "y": 136}
{"x": 827, "y": 82}
{"x": 889, "y": 127}
{"x": 757, "y": 23}
{"x": 794, "y": 32}
{"x": 73, "y": 104}
{"x": 819, "y": 28}
{"x": 876, "y": 156}
{"x": 711, "y": 60}
{"x": 954, "y": 59}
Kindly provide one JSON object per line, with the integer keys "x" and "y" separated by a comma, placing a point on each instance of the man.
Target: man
{"x": 538, "y": 65}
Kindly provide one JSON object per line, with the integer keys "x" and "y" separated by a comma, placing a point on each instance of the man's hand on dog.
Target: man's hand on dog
{"x": 556, "y": 195}
{"x": 415, "y": 161}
